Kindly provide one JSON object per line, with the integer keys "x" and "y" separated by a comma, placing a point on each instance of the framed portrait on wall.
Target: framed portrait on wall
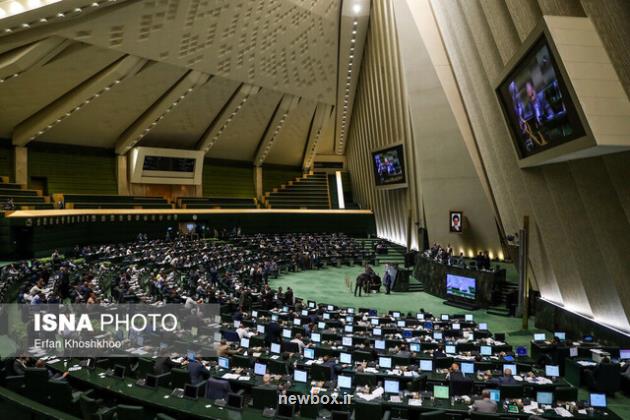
{"x": 456, "y": 222}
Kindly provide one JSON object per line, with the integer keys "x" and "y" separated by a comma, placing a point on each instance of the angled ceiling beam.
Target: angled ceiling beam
{"x": 286, "y": 105}
{"x": 158, "y": 110}
{"x": 16, "y": 62}
{"x": 88, "y": 91}
{"x": 322, "y": 114}
{"x": 226, "y": 116}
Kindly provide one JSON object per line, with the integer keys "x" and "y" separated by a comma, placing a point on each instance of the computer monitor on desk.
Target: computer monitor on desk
{"x": 441, "y": 392}
{"x": 316, "y": 337}
{"x": 392, "y": 387}
{"x": 379, "y": 344}
{"x": 624, "y": 354}
{"x": 426, "y": 365}
{"x": 469, "y": 317}
{"x": 573, "y": 352}
{"x": 539, "y": 337}
{"x": 276, "y": 348}
{"x": 560, "y": 335}
{"x": 598, "y": 400}
{"x": 260, "y": 369}
{"x": 414, "y": 347}
{"x": 385, "y": 362}
{"x": 450, "y": 349}
{"x": 544, "y": 398}
{"x": 495, "y": 395}
{"x": 344, "y": 382}
{"x": 299, "y": 376}
{"x": 483, "y": 326}
{"x": 309, "y": 353}
{"x": 224, "y": 362}
{"x": 468, "y": 368}
{"x": 552, "y": 371}
{"x": 345, "y": 358}
{"x": 485, "y": 350}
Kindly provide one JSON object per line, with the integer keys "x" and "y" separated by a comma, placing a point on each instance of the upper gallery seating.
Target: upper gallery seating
{"x": 309, "y": 191}
{"x": 216, "y": 202}
{"x": 96, "y": 201}
{"x": 22, "y": 199}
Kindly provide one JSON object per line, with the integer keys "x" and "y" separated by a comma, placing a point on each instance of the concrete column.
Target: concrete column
{"x": 258, "y": 181}
{"x": 122, "y": 177}
{"x": 21, "y": 165}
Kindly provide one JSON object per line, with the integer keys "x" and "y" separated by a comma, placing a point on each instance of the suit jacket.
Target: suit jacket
{"x": 197, "y": 372}
{"x": 506, "y": 380}
{"x": 484, "y": 406}
{"x": 218, "y": 389}
{"x": 162, "y": 365}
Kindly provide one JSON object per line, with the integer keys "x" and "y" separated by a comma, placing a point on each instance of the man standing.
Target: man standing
{"x": 359, "y": 284}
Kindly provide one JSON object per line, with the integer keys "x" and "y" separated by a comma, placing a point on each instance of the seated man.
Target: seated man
{"x": 506, "y": 379}
{"x": 197, "y": 371}
{"x": 485, "y": 404}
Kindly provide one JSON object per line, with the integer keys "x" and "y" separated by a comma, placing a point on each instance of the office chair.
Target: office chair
{"x": 368, "y": 410}
{"x": 92, "y": 409}
{"x": 511, "y": 391}
{"x": 36, "y": 383}
{"x": 129, "y": 412}
{"x": 461, "y": 386}
{"x": 62, "y": 396}
{"x": 264, "y": 397}
{"x": 362, "y": 379}
{"x": 241, "y": 361}
{"x": 605, "y": 378}
{"x": 278, "y": 367}
{"x": 566, "y": 393}
{"x": 290, "y": 347}
{"x": 14, "y": 383}
{"x": 285, "y": 411}
{"x": 362, "y": 356}
{"x": 321, "y": 373}
{"x": 218, "y": 389}
{"x": 179, "y": 377}
{"x": 145, "y": 366}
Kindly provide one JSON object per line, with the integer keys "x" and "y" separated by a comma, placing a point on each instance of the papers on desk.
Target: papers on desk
{"x": 414, "y": 402}
{"x": 274, "y": 357}
{"x": 74, "y": 368}
{"x": 230, "y": 376}
{"x": 374, "y": 395}
{"x": 53, "y": 361}
{"x": 518, "y": 378}
{"x": 395, "y": 399}
{"x": 371, "y": 370}
{"x": 257, "y": 354}
{"x": 244, "y": 378}
{"x": 562, "y": 412}
{"x": 586, "y": 363}
{"x": 539, "y": 380}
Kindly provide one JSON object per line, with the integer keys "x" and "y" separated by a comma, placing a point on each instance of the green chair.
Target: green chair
{"x": 241, "y": 361}
{"x": 62, "y": 397}
{"x": 129, "y": 412}
{"x": 264, "y": 397}
{"x": 36, "y": 384}
{"x": 179, "y": 377}
{"x": 367, "y": 410}
{"x": 362, "y": 356}
{"x": 278, "y": 367}
{"x": 14, "y": 383}
{"x": 92, "y": 409}
{"x": 362, "y": 379}
{"x": 321, "y": 373}
{"x": 145, "y": 366}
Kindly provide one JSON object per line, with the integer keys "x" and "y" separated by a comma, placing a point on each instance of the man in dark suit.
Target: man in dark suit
{"x": 454, "y": 372}
{"x": 218, "y": 389}
{"x": 197, "y": 371}
{"x": 162, "y": 363}
{"x": 359, "y": 283}
{"x": 507, "y": 378}
{"x": 485, "y": 404}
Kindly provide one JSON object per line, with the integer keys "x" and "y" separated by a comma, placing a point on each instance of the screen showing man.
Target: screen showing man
{"x": 537, "y": 105}
{"x": 389, "y": 167}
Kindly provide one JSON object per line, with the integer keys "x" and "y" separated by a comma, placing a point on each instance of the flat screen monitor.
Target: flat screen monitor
{"x": 456, "y": 327}
{"x": 385, "y": 362}
{"x": 512, "y": 367}
{"x": 428, "y": 325}
{"x": 573, "y": 352}
{"x": 485, "y": 350}
{"x": 624, "y": 354}
{"x": 346, "y": 341}
{"x": 437, "y": 335}
{"x": 389, "y": 167}
{"x": 119, "y": 371}
{"x": 560, "y": 335}
{"x": 237, "y": 324}
{"x": 414, "y": 347}
{"x": 598, "y": 400}
{"x": 326, "y": 315}
{"x": 441, "y": 392}
{"x": 311, "y": 304}
{"x": 539, "y": 337}
{"x": 544, "y": 397}
{"x": 254, "y": 314}
{"x": 536, "y": 103}
{"x": 321, "y": 325}
{"x": 483, "y": 326}
{"x": 350, "y": 310}
{"x": 460, "y": 286}
{"x": 224, "y": 362}
{"x": 304, "y": 312}
{"x": 286, "y": 333}
{"x": 379, "y": 344}
{"x": 407, "y": 333}
{"x": 469, "y": 318}
{"x": 392, "y": 387}
{"x": 552, "y": 371}
{"x": 260, "y": 369}
{"x": 330, "y": 307}
{"x": 344, "y": 382}
{"x": 285, "y": 309}
{"x": 450, "y": 349}
{"x": 345, "y": 358}
{"x": 426, "y": 365}
{"x": 260, "y": 329}
{"x": 274, "y": 317}
{"x": 377, "y": 331}
{"x": 372, "y": 312}
{"x": 374, "y": 321}
{"x": 297, "y": 321}
{"x": 299, "y": 376}
{"x": 245, "y": 342}
{"x": 468, "y": 368}
{"x": 348, "y": 329}
{"x": 401, "y": 323}
{"x": 275, "y": 348}
{"x": 396, "y": 314}
{"x": 444, "y": 317}
{"x": 420, "y": 317}
{"x": 191, "y": 392}
{"x": 349, "y": 319}
{"x": 495, "y": 395}
{"x": 587, "y": 338}
{"x": 316, "y": 337}
{"x": 309, "y": 353}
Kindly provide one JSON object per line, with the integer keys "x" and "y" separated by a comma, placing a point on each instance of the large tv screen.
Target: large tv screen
{"x": 536, "y": 103}
{"x": 389, "y": 167}
{"x": 460, "y": 286}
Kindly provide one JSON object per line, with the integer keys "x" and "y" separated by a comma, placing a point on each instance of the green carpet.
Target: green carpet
{"x": 328, "y": 286}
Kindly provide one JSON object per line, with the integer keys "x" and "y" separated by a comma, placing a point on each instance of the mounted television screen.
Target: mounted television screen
{"x": 389, "y": 167}
{"x": 460, "y": 286}
{"x": 536, "y": 103}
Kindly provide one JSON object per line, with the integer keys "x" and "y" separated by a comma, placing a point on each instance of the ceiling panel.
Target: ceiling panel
{"x": 101, "y": 122}
{"x": 184, "y": 126}
{"x": 240, "y": 139}
{"x": 34, "y": 89}
{"x": 288, "y": 149}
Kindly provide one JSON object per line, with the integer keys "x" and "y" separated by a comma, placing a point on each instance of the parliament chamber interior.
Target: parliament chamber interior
{"x": 314, "y": 209}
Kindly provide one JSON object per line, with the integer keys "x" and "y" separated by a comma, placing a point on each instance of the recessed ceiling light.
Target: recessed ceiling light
{"x": 356, "y": 8}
